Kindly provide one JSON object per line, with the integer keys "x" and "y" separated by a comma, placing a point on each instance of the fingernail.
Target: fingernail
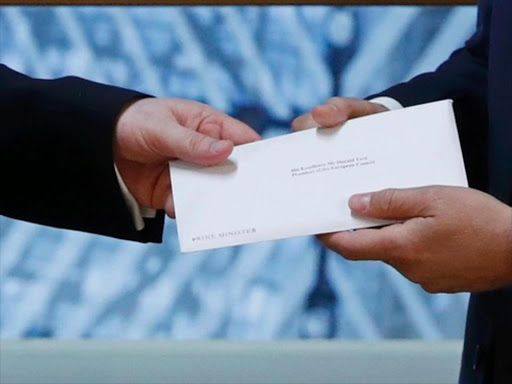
{"x": 360, "y": 203}
{"x": 218, "y": 146}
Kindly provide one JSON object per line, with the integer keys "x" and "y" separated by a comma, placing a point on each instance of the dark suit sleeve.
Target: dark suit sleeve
{"x": 462, "y": 78}
{"x": 56, "y": 155}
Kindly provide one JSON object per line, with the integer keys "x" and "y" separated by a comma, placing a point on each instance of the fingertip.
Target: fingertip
{"x": 221, "y": 147}
{"x": 257, "y": 136}
{"x": 251, "y": 137}
{"x": 169, "y": 208}
{"x": 298, "y": 123}
{"x": 359, "y": 203}
{"x": 219, "y": 152}
{"x": 323, "y": 237}
{"x": 171, "y": 214}
{"x": 320, "y": 111}
{"x": 239, "y": 132}
{"x": 295, "y": 124}
{"x": 335, "y": 241}
{"x": 328, "y": 115}
{"x": 208, "y": 152}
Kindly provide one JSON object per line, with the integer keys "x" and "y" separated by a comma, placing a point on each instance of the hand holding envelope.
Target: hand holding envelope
{"x": 300, "y": 184}
{"x": 451, "y": 239}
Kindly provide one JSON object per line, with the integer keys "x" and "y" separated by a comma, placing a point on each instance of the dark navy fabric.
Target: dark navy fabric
{"x": 56, "y": 156}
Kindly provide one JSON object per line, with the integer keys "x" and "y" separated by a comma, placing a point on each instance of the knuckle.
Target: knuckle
{"x": 339, "y": 104}
{"x": 401, "y": 251}
{"x": 393, "y": 244}
{"x": 434, "y": 195}
{"x": 385, "y": 200}
{"x": 335, "y": 100}
{"x": 408, "y": 248}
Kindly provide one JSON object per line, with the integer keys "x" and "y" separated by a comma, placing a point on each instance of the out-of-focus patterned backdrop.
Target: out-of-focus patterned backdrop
{"x": 264, "y": 65}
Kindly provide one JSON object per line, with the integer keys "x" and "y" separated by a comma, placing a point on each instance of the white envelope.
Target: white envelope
{"x": 299, "y": 184}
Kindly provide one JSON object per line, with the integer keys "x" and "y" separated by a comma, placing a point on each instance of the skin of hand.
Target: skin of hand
{"x": 151, "y": 131}
{"x": 335, "y": 112}
{"x": 451, "y": 239}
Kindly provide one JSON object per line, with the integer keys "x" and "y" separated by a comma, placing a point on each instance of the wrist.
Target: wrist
{"x": 122, "y": 136}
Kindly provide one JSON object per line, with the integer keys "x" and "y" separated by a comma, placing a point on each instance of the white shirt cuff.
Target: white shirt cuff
{"x": 138, "y": 212}
{"x": 148, "y": 213}
{"x": 387, "y": 102}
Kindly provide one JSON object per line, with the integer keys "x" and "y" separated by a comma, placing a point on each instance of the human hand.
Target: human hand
{"x": 150, "y": 132}
{"x": 453, "y": 239}
{"x": 335, "y": 112}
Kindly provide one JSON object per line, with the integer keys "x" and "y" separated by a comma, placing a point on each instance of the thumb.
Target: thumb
{"x": 187, "y": 144}
{"x": 392, "y": 204}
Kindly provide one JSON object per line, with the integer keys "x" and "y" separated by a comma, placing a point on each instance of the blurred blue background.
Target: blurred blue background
{"x": 264, "y": 65}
